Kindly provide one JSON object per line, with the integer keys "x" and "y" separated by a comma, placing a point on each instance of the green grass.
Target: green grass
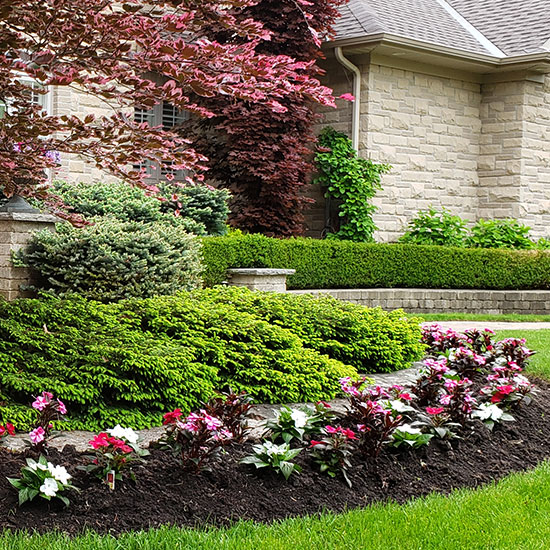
{"x": 513, "y": 514}
{"x": 539, "y": 340}
{"x": 511, "y": 318}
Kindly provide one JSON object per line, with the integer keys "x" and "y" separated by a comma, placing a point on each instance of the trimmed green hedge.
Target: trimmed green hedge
{"x": 131, "y": 361}
{"x": 333, "y": 264}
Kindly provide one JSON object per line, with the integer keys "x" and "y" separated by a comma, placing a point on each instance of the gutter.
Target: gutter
{"x": 356, "y": 112}
{"x": 374, "y": 40}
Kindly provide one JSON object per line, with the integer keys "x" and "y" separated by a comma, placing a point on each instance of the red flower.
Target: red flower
{"x": 324, "y": 403}
{"x": 501, "y": 393}
{"x": 405, "y": 396}
{"x": 10, "y": 428}
{"x": 313, "y": 443}
{"x": 331, "y": 429}
{"x": 434, "y": 410}
{"x": 171, "y": 417}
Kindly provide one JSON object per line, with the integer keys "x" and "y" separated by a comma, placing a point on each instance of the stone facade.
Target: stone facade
{"x": 263, "y": 279}
{"x": 422, "y": 300}
{"x": 454, "y": 140}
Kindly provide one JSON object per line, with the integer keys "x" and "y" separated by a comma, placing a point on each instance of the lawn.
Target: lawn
{"x": 508, "y": 318}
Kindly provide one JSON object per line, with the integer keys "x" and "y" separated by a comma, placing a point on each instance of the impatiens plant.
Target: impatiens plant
{"x": 375, "y": 421}
{"x": 290, "y": 424}
{"x": 49, "y": 410}
{"x": 457, "y": 400}
{"x": 438, "y": 422}
{"x": 115, "y": 450}
{"x": 410, "y": 435}
{"x": 440, "y": 340}
{"x": 431, "y": 380}
{"x": 233, "y": 410}
{"x": 276, "y": 457}
{"x": 465, "y": 362}
{"x": 44, "y": 479}
{"x": 196, "y": 439}
{"x": 491, "y": 414}
{"x": 333, "y": 451}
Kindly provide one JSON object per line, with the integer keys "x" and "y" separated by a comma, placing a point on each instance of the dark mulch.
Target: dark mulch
{"x": 164, "y": 494}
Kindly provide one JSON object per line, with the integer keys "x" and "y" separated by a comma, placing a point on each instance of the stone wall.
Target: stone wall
{"x": 15, "y": 231}
{"x": 419, "y": 300}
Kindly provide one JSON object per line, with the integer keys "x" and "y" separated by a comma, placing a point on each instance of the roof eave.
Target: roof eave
{"x": 366, "y": 44}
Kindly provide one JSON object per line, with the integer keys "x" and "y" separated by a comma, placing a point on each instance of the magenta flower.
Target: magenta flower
{"x": 37, "y": 435}
{"x": 331, "y": 429}
{"x": 40, "y": 403}
{"x": 61, "y": 409}
{"x": 347, "y": 97}
{"x": 100, "y": 440}
{"x": 434, "y": 410}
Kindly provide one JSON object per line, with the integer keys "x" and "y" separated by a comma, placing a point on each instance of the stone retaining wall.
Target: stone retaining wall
{"x": 421, "y": 300}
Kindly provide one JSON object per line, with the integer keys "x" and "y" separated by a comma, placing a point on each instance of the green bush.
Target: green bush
{"x": 500, "y": 234}
{"x": 202, "y": 209}
{"x": 131, "y": 361}
{"x": 370, "y": 339}
{"x": 112, "y": 260}
{"x": 435, "y": 228}
{"x": 344, "y": 264}
{"x": 351, "y": 180}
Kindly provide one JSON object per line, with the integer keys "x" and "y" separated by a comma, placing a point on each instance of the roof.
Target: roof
{"x": 492, "y": 27}
{"x": 515, "y": 26}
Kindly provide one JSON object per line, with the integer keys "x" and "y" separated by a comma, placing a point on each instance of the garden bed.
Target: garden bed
{"x": 164, "y": 494}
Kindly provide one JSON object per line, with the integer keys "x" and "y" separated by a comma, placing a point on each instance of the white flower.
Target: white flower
{"x": 50, "y": 487}
{"x": 408, "y": 429}
{"x": 124, "y": 433}
{"x": 59, "y": 473}
{"x": 488, "y": 411}
{"x": 37, "y": 466}
{"x": 299, "y": 418}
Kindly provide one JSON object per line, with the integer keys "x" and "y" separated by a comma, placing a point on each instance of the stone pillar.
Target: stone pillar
{"x": 265, "y": 279}
{"x": 18, "y": 220}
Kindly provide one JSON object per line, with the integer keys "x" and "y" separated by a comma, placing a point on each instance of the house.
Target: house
{"x": 455, "y": 95}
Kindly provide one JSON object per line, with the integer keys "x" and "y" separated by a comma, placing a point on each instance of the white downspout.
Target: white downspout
{"x": 356, "y": 108}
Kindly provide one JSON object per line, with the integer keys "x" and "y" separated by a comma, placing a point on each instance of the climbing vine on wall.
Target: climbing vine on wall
{"x": 352, "y": 181}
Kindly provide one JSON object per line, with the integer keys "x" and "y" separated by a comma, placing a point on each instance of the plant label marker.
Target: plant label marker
{"x": 111, "y": 479}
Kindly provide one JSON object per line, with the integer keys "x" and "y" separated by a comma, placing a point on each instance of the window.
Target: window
{"x": 35, "y": 96}
{"x": 168, "y": 117}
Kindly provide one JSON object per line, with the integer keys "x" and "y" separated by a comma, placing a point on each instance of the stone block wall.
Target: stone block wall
{"x": 15, "y": 231}
{"x": 420, "y": 300}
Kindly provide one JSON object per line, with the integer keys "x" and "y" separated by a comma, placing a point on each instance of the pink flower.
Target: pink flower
{"x": 331, "y": 429}
{"x": 350, "y": 434}
{"x": 100, "y": 440}
{"x": 347, "y": 97}
{"x": 324, "y": 403}
{"x": 434, "y": 410}
{"x": 445, "y": 399}
{"x": 40, "y": 403}
{"x": 37, "y": 435}
{"x": 61, "y": 409}
{"x": 405, "y": 396}
{"x": 313, "y": 443}
{"x": 212, "y": 423}
{"x": 361, "y": 428}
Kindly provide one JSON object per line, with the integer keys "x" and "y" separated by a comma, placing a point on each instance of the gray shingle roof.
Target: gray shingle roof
{"x": 514, "y": 26}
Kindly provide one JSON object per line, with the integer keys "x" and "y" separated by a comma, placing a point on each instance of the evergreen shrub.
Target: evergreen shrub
{"x": 370, "y": 339}
{"x": 112, "y": 259}
{"x": 131, "y": 361}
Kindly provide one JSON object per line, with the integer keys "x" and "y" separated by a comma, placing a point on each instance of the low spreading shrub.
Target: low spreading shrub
{"x": 344, "y": 264}
{"x": 370, "y": 339}
{"x": 130, "y": 361}
{"x": 112, "y": 260}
